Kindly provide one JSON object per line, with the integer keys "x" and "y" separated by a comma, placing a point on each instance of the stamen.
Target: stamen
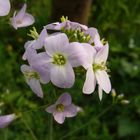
{"x": 60, "y": 107}
{"x": 30, "y": 75}
{"x": 59, "y": 59}
{"x": 100, "y": 66}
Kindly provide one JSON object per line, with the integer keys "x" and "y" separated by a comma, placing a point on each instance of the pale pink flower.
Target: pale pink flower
{"x": 60, "y": 58}
{"x": 96, "y": 70}
{"x": 4, "y": 7}
{"x": 34, "y": 76}
{"x": 62, "y": 108}
{"x": 5, "y": 120}
{"x": 22, "y": 19}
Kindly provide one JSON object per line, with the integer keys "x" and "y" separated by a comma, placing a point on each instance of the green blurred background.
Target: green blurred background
{"x": 119, "y": 22}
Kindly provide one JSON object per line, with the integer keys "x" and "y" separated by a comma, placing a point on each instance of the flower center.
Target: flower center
{"x": 60, "y": 107}
{"x": 100, "y": 66}
{"x": 30, "y": 75}
{"x": 19, "y": 22}
{"x": 59, "y": 59}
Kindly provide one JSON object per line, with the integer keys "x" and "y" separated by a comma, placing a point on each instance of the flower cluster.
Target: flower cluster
{"x": 53, "y": 57}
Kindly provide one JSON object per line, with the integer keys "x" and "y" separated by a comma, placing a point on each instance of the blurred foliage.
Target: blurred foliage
{"x": 117, "y": 21}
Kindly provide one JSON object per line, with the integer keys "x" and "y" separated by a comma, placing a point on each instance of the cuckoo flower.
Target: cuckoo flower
{"x": 62, "y": 108}
{"x": 96, "y": 70}
{"x": 6, "y": 120}
{"x": 60, "y": 58}
{"x": 33, "y": 78}
{"x": 4, "y": 7}
{"x": 22, "y": 19}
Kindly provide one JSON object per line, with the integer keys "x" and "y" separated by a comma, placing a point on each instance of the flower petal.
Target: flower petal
{"x": 91, "y": 52}
{"x": 54, "y": 26}
{"x": 51, "y": 108}
{"x": 70, "y": 111}
{"x": 64, "y": 99}
{"x": 102, "y": 55}
{"x": 92, "y": 32}
{"x": 41, "y": 60}
{"x": 29, "y": 50}
{"x": 21, "y": 13}
{"x": 25, "y": 68}
{"x": 76, "y": 54}
{"x": 27, "y": 20}
{"x": 100, "y": 92}
{"x": 56, "y": 43}
{"x": 36, "y": 87}
{"x": 59, "y": 117}
{"x": 62, "y": 76}
{"x": 90, "y": 82}
{"x": 103, "y": 80}
{"x": 4, "y": 7}
{"x": 6, "y": 120}
{"x": 40, "y": 41}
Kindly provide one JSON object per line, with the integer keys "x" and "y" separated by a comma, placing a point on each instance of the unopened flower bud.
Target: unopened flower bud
{"x": 125, "y": 102}
{"x": 113, "y": 93}
{"x": 120, "y": 96}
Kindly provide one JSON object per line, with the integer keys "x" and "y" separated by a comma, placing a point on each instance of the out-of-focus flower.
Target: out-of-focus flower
{"x": 125, "y": 102}
{"x": 5, "y": 120}
{"x": 4, "y": 7}
{"x": 22, "y": 19}
{"x": 120, "y": 96}
{"x": 62, "y": 108}
{"x": 60, "y": 58}
{"x": 96, "y": 70}
{"x": 113, "y": 93}
{"x": 34, "y": 77}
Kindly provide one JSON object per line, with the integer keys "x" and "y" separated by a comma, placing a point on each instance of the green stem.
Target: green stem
{"x": 51, "y": 127}
{"x": 89, "y": 122}
{"x": 29, "y": 129}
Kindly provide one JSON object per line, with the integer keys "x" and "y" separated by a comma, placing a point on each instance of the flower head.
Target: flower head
{"x": 96, "y": 70}
{"x": 22, "y": 19}
{"x": 62, "y": 108}
{"x": 60, "y": 58}
{"x": 4, "y": 7}
{"x": 6, "y": 120}
{"x": 33, "y": 78}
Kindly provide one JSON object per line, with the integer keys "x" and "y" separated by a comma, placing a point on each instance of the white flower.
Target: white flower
{"x": 63, "y": 108}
